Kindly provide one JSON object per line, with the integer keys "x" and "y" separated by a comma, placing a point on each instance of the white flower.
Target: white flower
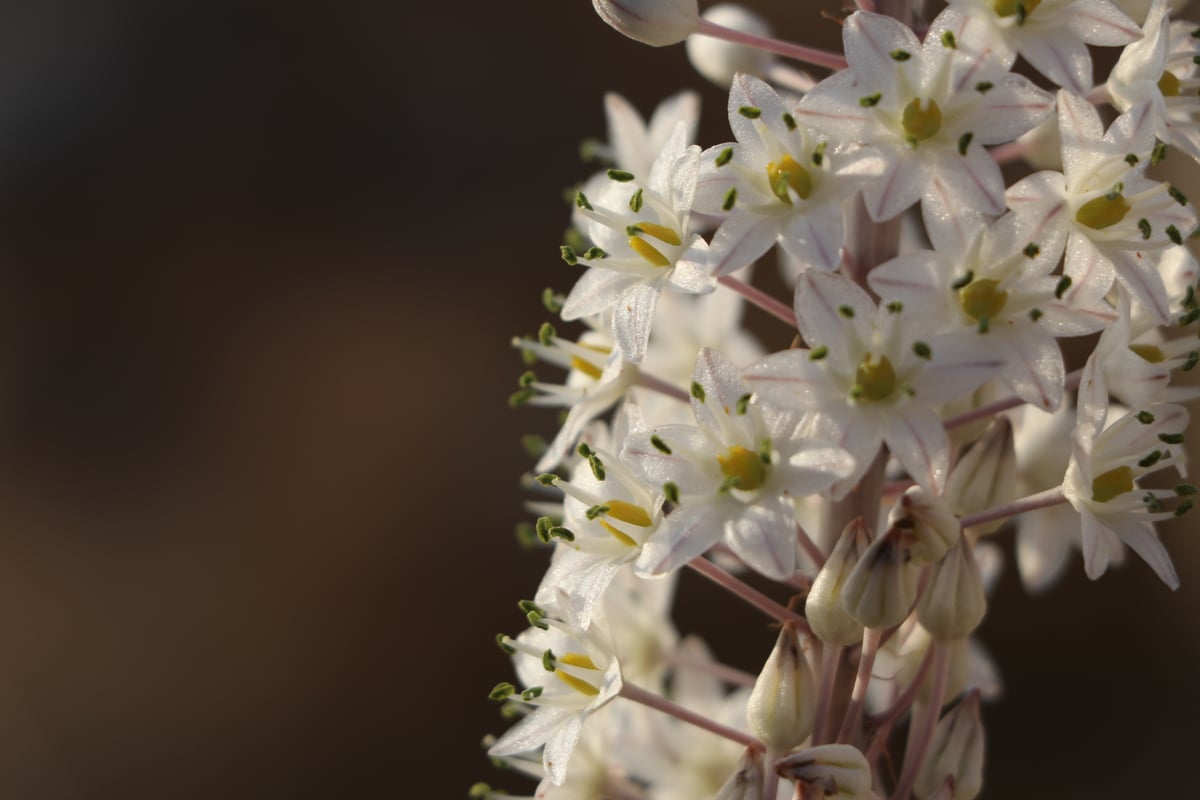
{"x": 1052, "y": 35}
{"x": 780, "y": 183}
{"x": 869, "y": 378}
{"x": 634, "y": 143}
{"x": 1107, "y": 460}
{"x": 733, "y": 476}
{"x": 643, "y": 244}
{"x": 653, "y": 22}
{"x": 928, "y": 108}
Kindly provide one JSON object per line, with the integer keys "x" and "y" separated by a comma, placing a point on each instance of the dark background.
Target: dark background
{"x": 259, "y": 265}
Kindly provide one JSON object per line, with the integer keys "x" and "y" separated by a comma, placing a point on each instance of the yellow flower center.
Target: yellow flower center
{"x": 587, "y": 367}
{"x": 578, "y": 684}
{"x": 982, "y": 299}
{"x": 745, "y": 465}
{"x": 921, "y": 123}
{"x": 1168, "y": 84}
{"x": 1112, "y": 484}
{"x": 786, "y": 173}
{"x": 1149, "y": 352}
{"x": 629, "y": 514}
{"x": 1010, "y": 8}
{"x": 874, "y": 380}
{"x": 649, "y": 252}
{"x": 1103, "y": 211}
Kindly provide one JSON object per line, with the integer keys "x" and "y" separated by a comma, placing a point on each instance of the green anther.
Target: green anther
{"x": 582, "y": 202}
{"x": 1103, "y": 211}
{"x": 597, "y": 467}
{"x": 533, "y": 692}
{"x": 724, "y": 157}
{"x": 818, "y": 153}
{"x": 764, "y": 451}
{"x": 547, "y": 479}
{"x": 1151, "y": 460}
{"x": 502, "y": 691}
{"x": 548, "y": 660}
{"x": 1131, "y": 160}
{"x": 965, "y": 280}
{"x": 964, "y": 142}
{"x": 818, "y": 353}
{"x": 983, "y": 87}
{"x": 479, "y": 791}
{"x": 894, "y": 307}
{"x": 671, "y": 492}
{"x": 789, "y": 121}
{"x": 552, "y": 300}
{"x": 584, "y": 449}
{"x": 535, "y": 621}
{"x": 1192, "y": 359}
{"x": 533, "y": 445}
{"x": 660, "y": 445}
{"x": 1145, "y": 417}
{"x": 1061, "y": 287}
{"x": 1152, "y": 503}
{"x": 1158, "y": 153}
{"x": 1185, "y": 490}
{"x": 594, "y": 253}
{"x": 620, "y": 175}
{"x": 870, "y": 100}
{"x": 502, "y": 642}
{"x": 1022, "y": 13}
{"x": 743, "y": 466}
{"x": 521, "y": 397}
{"x": 546, "y": 334}
{"x": 730, "y": 198}
{"x": 948, "y": 40}
{"x": 1189, "y": 298}
{"x": 1144, "y": 227}
{"x": 542, "y": 529}
{"x": 1113, "y": 483}
{"x": 636, "y": 202}
{"x": 596, "y": 511}
{"x": 1032, "y": 250}
{"x": 900, "y": 55}
{"x": 846, "y": 311}
{"x": 750, "y": 112}
{"x": 1171, "y": 438}
{"x": 525, "y": 535}
{"x": 698, "y": 391}
{"x": 528, "y": 605}
{"x": 874, "y": 381}
{"x": 1148, "y": 352}
{"x": 527, "y": 378}
{"x": 984, "y": 325}
{"x": 921, "y": 123}
{"x": 1174, "y": 235}
{"x": 786, "y": 173}
{"x": 922, "y": 350}
{"x": 982, "y": 299}
{"x": 1177, "y": 195}
{"x": 743, "y": 404}
{"x": 568, "y": 254}
{"x": 1036, "y": 313}
{"x": 1183, "y": 508}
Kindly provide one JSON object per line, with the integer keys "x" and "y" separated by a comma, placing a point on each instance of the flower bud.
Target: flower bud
{"x": 954, "y": 603}
{"x": 830, "y": 770}
{"x": 747, "y": 782}
{"x": 985, "y": 476}
{"x": 654, "y": 22}
{"x": 928, "y": 526}
{"x": 956, "y": 753}
{"x": 830, "y": 621}
{"x": 880, "y": 590}
{"x": 903, "y": 654}
{"x": 782, "y": 702}
{"x": 719, "y": 60}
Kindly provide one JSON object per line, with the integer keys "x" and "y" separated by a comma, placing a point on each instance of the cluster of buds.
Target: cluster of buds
{"x": 913, "y": 410}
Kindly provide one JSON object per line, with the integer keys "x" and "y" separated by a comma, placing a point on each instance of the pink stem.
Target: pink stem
{"x": 731, "y": 675}
{"x": 992, "y": 409}
{"x": 920, "y": 739}
{"x": 748, "y": 593}
{"x": 758, "y": 297}
{"x": 658, "y": 703}
{"x": 662, "y": 387}
{"x": 831, "y": 654}
{"x": 858, "y": 696}
{"x": 1050, "y": 497}
{"x": 810, "y": 55}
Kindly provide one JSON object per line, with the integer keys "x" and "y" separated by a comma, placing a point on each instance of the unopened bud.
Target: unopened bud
{"x": 903, "y": 655}
{"x": 955, "y": 754}
{"x": 829, "y": 620}
{"x": 654, "y": 22}
{"x": 954, "y": 603}
{"x": 830, "y": 770}
{"x": 782, "y": 702}
{"x": 880, "y": 590}
{"x": 719, "y": 60}
{"x": 926, "y": 524}
{"x": 747, "y": 782}
{"x": 985, "y": 476}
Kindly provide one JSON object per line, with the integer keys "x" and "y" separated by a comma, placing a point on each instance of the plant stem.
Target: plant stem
{"x": 748, "y": 593}
{"x": 659, "y": 703}
{"x": 809, "y": 55}
{"x": 1050, "y": 497}
{"x": 758, "y": 297}
{"x": 858, "y": 696}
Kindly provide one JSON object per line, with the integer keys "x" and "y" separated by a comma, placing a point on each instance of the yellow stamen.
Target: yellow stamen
{"x": 745, "y": 465}
{"x": 623, "y": 538}
{"x": 921, "y": 123}
{"x": 578, "y": 684}
{"x": 660, "y": 232}
{"x": 874, "y": 380}
{"x": 1112, "y": 484}
{"x": 786, "y": 172}
{"x": 648, "y": 252}
{"x": 1149, "y": 352}
{"x": 1103, "y": 211}
{"x": 1008, "y": 8}
{"x": 982, "y": 299}
{"x": 628, "y": 512}
{"x": 587, "y": 367}
{"x": 1168, "y": 84}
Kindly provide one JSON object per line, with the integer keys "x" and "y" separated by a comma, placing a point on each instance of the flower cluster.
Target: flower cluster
{"x": 913, "y": 399}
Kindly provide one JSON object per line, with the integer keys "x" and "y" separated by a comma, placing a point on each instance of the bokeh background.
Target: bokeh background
{"x": 259, "y": 266}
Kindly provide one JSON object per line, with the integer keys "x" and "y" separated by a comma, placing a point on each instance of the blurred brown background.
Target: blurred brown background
{"x": 259, "y": 265}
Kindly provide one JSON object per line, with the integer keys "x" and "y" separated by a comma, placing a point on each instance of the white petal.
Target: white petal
{"x": 823, "y": 301}
{"x": 1142, "y": 539}
{"x": 596, "y": 290}
{"x": 1139, "y": 275}
{"x": 897, "y": 189}
{"x": 1010, "y": 108}
{"x": 686, "y": 533}
{"x": 918, "y": 441}
{"x": 1100, "y": 22}
{"x": 690, "y": 465}
{"x": 869, "y": 39}
{"x": 765, "y": 538}
{"x": 532, "y": 731}
{"x": 741, "y": 240}
{"x": 1100, "y": 545}
{"x": 1062, "y": 59}
{"x": 814, "y": 237}
{"x": 788, "y": 379}
{"x": 559, "y": 746}
{"x": 633, "y": 315}
{"x": 1034, "y": 368}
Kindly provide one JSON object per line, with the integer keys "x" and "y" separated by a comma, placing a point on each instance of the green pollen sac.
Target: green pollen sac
{"x": 1113, "y": 483}
{"x": 982, "y": 299}
{"x": 1148, "y": 352}
{"x": 1168, "y": 84}
{"x": 874, "y": 380}
{"x": 922, "y": 123}
{"x": 1012, "y": 8}
{"x": 786, "y": 172}
{"x": 1103, "y": 211}
{"x": 745, "y": 465}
